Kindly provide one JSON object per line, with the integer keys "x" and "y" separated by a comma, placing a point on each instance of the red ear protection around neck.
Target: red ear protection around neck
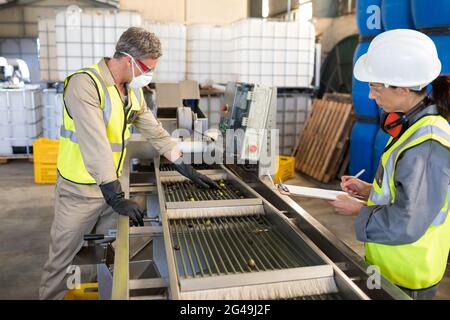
{"x": 394, "y": 124}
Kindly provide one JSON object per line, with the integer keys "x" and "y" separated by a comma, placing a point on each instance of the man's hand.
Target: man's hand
{"x": 199, "y": 179}
{"x": 347, "y": 205}
{"x": 355, "y": 187}
{"x": 114, "y": 196}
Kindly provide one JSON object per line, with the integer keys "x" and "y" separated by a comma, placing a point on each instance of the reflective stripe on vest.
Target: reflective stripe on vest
{"x": 115, "y": 147}
{"x": 442, "y": 215}
{"x": 107, "y": 106}
{"x": 383, "y": 196}
{"x": 420, "y": 264}
{"x": 117, "y": 122}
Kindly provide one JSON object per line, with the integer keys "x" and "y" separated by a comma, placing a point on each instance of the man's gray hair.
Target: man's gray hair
{"x": 139, "y": 43}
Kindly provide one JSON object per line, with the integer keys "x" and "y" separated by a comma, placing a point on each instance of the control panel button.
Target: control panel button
{"x": 252, "y": 148}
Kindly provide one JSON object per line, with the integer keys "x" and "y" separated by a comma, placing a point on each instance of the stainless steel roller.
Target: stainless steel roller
{"x": 185, "y": 118}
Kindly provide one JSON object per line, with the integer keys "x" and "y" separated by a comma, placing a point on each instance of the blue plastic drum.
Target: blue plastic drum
{"x": 442, "y": 43}
{"x": 362, "y": 142}
{"x": 364, "y": 107}
{"x": 396, "y": 14}
{"x": 430, "y": 14}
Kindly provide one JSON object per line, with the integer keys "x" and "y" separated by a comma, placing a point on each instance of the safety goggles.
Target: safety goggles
{"x": 377, "y": 86}
{"x": 140, "y": 64}
{"x": 144, "y": 68}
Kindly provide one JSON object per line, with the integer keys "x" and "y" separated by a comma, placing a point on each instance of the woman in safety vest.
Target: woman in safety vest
{"x": 405, "y": 223}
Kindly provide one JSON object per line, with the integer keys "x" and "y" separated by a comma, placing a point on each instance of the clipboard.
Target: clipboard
{"x": 315, "y": 193}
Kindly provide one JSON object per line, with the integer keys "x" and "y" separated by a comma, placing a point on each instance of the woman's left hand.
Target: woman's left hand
{"x": 347, "y": 205}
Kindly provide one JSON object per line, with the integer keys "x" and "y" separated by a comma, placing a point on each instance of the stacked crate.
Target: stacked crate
{"x": 209, "y": 54}
{"x": 52, "y": 113}
{"x": 75, "y": 39}
{"x": 274, "y": 53}
{"x": 292, "y": 110}
{"x": 21, "y": 120}
{"x": 172, "y": 64}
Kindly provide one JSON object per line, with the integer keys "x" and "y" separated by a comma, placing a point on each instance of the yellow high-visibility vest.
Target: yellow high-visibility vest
{"x": 421, "y": 264}
{"x": 117, "y": 122}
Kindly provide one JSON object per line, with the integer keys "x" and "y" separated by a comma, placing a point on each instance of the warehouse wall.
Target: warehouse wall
{"x": 157, "y": 10}
{"x": 277, "y": 7}
{"x": 189, "y": 11}
{"x": 332, "y": 30}
{"x": 21, "y": 21}
{"x": 215, "y": 12}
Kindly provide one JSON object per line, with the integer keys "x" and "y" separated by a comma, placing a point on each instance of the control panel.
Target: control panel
{"x": 252, "y": 109}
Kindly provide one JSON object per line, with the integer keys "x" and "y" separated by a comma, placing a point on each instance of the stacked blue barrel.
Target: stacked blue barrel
{"x": 433, "y": 19}
{"x": 362, "y": 140}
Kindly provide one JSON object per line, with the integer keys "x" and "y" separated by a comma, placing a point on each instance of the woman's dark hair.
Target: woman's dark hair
{"x": 441, "y": 95}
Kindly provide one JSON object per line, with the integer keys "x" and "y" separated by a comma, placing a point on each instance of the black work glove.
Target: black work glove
{"x": 199, "y": 179}
{"x": 114, "y": 196}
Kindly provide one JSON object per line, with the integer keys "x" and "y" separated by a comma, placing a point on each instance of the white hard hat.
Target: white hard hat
{"x": 401, "y": 58}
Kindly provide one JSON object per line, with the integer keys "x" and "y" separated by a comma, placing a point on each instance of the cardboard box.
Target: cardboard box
{"x": 170, "y": 96}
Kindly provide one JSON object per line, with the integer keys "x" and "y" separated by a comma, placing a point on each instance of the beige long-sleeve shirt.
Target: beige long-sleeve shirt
{"x": 83, "y": 104}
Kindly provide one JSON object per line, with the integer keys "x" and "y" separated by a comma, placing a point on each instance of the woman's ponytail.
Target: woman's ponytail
{"x": 441, "y": 95}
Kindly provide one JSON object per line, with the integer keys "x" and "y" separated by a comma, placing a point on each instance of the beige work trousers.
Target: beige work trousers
{"x": 75, "y": 216}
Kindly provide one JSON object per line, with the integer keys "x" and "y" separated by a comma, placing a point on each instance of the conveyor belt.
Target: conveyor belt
{"x": 170, "y": 167}
{"x": 188, "y": 191}
{"x": 232, "y": 245}
{"x": 331, "y": 296}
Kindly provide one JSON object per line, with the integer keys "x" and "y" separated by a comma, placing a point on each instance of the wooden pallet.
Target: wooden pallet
{"x": 338, "y": 97}
{"x": 5, "y": 159}
{"x": 323, "y": 142}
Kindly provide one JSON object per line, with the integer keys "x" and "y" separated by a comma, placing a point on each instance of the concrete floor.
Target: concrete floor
{"x": 27, "y": 213}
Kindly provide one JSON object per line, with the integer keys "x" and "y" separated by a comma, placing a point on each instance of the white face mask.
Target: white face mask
{"x": 142, "y": 80}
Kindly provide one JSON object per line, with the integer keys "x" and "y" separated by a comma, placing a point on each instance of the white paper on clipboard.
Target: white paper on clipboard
{"x": 314, "y": 192}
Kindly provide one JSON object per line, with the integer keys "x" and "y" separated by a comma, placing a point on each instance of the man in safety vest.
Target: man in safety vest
{"x": 406, "y": 224}
{"x": 100, "y": 104}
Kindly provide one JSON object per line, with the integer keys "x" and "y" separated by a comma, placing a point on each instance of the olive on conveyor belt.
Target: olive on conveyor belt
{"x": 176, "y": 247}
{"x": 251, "y": 263}
{"x": 259, "y": 231}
